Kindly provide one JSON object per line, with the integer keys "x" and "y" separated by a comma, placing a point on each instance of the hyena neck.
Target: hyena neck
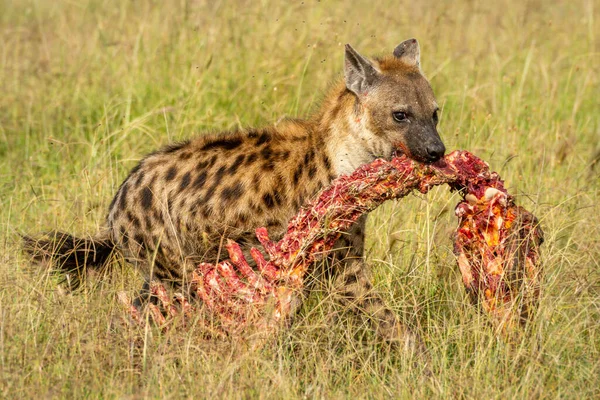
{"x": 342, "y": 125}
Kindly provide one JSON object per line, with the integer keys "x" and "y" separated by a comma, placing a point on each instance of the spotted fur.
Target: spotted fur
{"x": 178, "y": 204}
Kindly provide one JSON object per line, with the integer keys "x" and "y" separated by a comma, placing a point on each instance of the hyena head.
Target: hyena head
{"x": 395, "y": 107}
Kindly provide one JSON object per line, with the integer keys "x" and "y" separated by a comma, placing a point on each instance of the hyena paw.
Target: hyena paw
{"x": 391, "y": 330}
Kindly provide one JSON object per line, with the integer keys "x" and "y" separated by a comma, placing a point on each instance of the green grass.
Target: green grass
{"x": 88, "y": 87}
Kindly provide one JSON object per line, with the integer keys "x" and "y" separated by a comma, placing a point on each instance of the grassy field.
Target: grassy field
{"x": 88, "y": 87}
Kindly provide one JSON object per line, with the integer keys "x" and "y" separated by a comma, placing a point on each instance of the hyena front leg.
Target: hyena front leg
{"x": 354, "y": 290}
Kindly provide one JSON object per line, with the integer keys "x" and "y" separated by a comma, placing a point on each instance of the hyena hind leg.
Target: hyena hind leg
{"x": 144, "y": 296}
{"x": 162, "y": 272}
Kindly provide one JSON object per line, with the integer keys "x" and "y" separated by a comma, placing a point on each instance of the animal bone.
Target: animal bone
{"x": 496, "y": 244}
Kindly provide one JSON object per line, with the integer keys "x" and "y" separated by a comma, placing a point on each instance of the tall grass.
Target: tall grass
{"x": 89, "y": 87}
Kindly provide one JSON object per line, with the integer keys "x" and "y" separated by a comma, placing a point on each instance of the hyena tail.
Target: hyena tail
{"x": 70, "y": 256}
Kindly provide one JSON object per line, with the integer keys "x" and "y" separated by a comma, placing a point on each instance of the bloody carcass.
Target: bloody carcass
{"x": 496, "y": 244}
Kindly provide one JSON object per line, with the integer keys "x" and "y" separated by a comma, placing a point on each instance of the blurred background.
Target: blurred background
{"x": 89, "y": 87}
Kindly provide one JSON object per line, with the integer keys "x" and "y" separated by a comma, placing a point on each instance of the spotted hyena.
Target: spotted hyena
{"x": 178, "y": 204}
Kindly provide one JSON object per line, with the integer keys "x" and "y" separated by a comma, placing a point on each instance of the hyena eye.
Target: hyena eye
{"x": 435, "y": 117}
{"x": 400, "y": 116}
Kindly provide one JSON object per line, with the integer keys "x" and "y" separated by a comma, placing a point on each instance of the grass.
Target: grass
{"x": 89, "y": 87}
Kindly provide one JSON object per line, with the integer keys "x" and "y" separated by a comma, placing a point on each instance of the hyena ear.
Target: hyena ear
{"x": 359, "y": 73}
{"x": 408, "y": 51}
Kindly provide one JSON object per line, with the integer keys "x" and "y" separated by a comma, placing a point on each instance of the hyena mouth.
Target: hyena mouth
{"x": 397, "y": 153}
{"x": 400, "y": 149}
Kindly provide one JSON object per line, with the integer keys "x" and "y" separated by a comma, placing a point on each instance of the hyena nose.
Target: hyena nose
{"x": 435, "y": 151}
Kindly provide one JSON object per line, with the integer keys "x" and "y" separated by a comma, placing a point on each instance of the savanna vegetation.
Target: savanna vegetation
{"x": 89, "y": 87}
